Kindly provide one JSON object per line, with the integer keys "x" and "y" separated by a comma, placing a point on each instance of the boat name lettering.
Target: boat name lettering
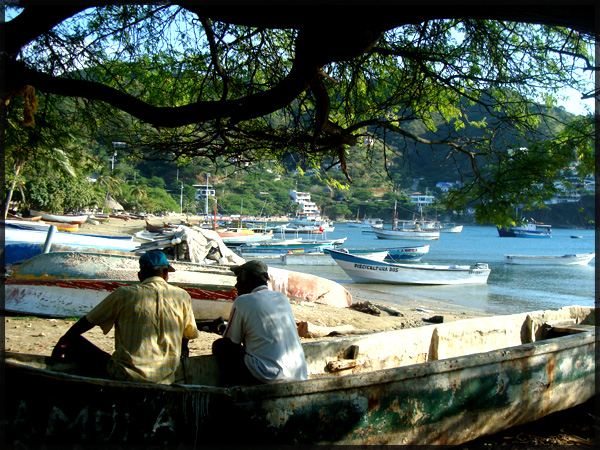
{"x": 376, "y": 268}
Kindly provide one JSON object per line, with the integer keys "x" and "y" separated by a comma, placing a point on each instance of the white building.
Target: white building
{"x": 422, "y": 199}
{"x": 204, "y": 191}
{"x": 303, "y": 199}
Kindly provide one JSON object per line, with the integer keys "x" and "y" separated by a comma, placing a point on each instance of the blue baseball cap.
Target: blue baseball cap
{"x": 155, "y": 258}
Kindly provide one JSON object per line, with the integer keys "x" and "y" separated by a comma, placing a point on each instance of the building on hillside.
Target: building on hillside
{"x": 204, "y": 191}
{"x": 422, "y": 199}
{"x": 308, "y": 207}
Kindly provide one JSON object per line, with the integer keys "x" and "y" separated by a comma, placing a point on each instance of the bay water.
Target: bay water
{"x": 510, "y": 289}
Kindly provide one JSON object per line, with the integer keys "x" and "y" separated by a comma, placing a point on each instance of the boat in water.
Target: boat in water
{"x": 70, "y": 284}
{"x": 528, "y": 230}
{"x": 406, "y": 234}
{"x": 394, "y": 254}
{"x": 365, "y": 270}
{"x": 439, "y": 384}
{"x": 581, "y": 259}
{"x": 366, "y": 223}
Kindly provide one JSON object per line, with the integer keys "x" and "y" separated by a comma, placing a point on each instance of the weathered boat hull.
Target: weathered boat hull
{"x": 69, "y": 284}
{"x": 550, "y": 260}
{"x": 439, "y": 384}
{"x": 364, "y": 270}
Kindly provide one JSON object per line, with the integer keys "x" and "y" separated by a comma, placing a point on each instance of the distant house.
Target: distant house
{"x": 444, "y": 186}
{"x": 422, "y": 199}
{"x": 304, "y": 200}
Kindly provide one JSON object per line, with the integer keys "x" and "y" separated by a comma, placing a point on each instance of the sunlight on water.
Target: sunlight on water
{"x": 510, "y": 288}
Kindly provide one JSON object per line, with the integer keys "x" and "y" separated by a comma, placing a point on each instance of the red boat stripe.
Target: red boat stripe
{"x": 206, "y": 293}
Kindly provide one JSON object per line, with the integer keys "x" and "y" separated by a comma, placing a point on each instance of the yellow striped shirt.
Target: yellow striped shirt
{"x": 150, "y": 320}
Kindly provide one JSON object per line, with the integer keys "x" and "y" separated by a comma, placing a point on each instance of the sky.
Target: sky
{"x": 574, "y": 104}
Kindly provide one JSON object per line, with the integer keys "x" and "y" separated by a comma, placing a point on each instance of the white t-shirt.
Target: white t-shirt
{"x": 263, "y": 321}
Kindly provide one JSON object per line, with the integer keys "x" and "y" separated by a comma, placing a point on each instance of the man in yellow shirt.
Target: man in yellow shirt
{"x": 153, "y": 323}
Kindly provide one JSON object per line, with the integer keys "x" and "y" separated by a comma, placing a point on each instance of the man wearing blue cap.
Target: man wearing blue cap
{"x": 153, "y": 323}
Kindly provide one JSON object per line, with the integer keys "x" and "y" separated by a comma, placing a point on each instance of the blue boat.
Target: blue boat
{"x": 286, "y": 246}
{"x": 528, "y": 230}
{"x": 394, "y": 254}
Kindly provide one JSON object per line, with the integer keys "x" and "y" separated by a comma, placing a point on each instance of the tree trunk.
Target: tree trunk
{"x": 11, "y": 190}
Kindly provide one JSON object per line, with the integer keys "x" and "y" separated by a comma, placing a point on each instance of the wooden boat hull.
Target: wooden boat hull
{"x": 414, "y": 235}
{"x": 440, "y": 384}
{"x": 69, "y": 284}
{"x": 550, "y": 260}
{"x": 364, "y": 270}
{"x": 64, "y": 218}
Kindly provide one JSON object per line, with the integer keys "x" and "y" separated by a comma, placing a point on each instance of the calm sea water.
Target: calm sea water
{"x": 510, "y": 289}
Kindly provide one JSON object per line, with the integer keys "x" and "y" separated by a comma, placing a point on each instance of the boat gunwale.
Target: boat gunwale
{"x": 350, "y": 381}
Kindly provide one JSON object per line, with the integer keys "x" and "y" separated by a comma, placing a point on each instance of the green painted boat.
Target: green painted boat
{"x": 446, "y": 383}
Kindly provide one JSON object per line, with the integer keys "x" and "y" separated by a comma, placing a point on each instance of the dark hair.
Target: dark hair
{"x": 156, "y": 271}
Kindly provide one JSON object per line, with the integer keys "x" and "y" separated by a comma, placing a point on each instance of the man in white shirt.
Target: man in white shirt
{"x": 261, "y": 343}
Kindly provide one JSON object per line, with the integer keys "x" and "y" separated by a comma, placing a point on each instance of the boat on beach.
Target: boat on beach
{"x": 64, "y": 218}
{"x": 32, "y": 236}
{"x": 581, "y": 259}
{"x": 365, "y": 270}
{"x": 69, "y": 284}
{"x": 439, "y": 384}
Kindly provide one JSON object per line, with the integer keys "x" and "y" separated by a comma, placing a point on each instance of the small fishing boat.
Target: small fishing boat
{"x": 443, "y": 384}
{"x": 394, "y": 254}
{"x": 69, "y": 284}
{"x": 449, "y": 228}
{"x": 365, "y": 270}
{"x": 414, "y": 230}
{"x": 406, "y": 234}
{"x": 582, "y": 259}
{"x": 19, "y": 235}
{"x": 367, "y": 223}
{"x": 64, "y": 218}
{"x": 576, "y": 237}
{"x": 528, "y": 230}
{"x": 284, "y": 246}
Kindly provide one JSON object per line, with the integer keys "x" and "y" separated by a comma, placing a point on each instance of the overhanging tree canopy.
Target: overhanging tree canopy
{"x": 255, "y": 83}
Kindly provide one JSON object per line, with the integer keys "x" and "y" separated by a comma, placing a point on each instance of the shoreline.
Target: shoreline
{"x": 28, "y": 334}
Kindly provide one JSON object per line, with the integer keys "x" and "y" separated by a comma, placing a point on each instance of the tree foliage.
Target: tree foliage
{"x": 240, "y": 85}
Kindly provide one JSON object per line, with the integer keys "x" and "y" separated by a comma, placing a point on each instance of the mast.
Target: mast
{"x": 394, "y": 219}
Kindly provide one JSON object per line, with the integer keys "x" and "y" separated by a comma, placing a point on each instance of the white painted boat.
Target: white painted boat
{"x": 443, "y": 384}
{"x": 365, "y": 270}
{"x": 17, "y": 235}
{"x": 550, "y": 260}
{"x": 406, "y": 234}
{"x": 69, "y": 284}
{"x": 66, "y": 218}
{"x": 366, "y": 223}
{"x": 450, "y": 228}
